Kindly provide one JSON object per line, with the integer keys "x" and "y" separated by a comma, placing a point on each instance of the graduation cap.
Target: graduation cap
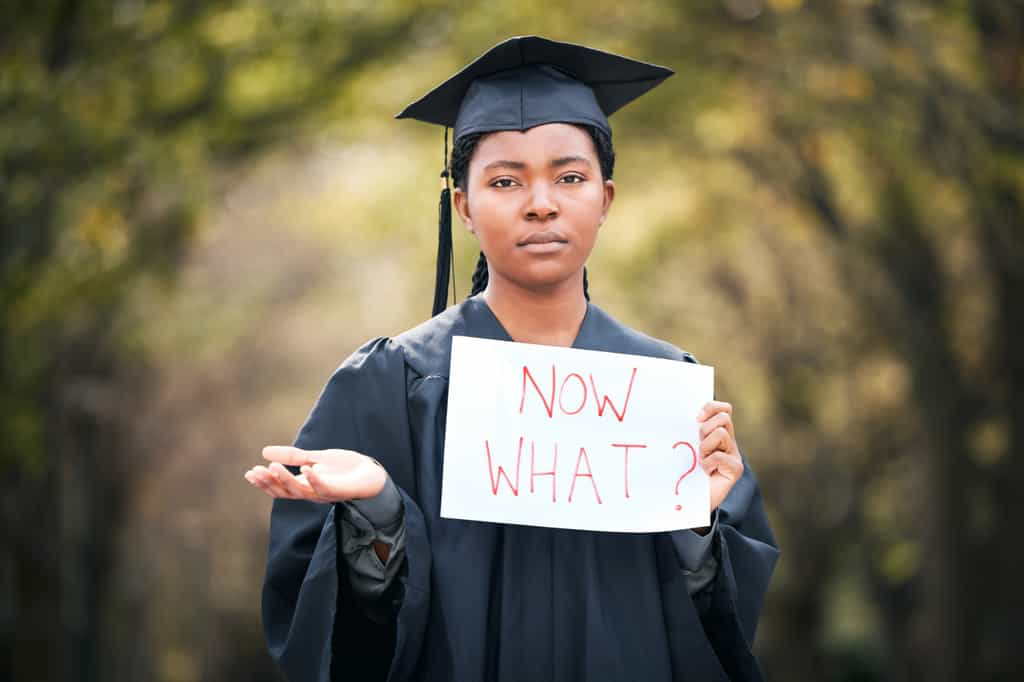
{"x": 520, "y": 83}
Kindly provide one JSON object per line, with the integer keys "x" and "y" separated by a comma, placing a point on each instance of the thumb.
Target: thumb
{"x": 291, "y": 455}
{"x": 315, "y": 482}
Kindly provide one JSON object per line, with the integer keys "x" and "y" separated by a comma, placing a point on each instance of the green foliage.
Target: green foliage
{"x": 117, "y": 122}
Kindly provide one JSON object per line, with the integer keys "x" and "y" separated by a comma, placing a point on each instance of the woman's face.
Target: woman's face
{"x": 535, "y": 200}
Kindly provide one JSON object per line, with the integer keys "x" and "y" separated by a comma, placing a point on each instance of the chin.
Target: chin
{"x": 547, "y": 281}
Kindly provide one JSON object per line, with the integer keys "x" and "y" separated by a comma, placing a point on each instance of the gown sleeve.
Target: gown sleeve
{"x": 730, "y": 605}
{"x": 362, "y": 523}
{"x": 315, "y": 628}
{"x": 744, "y": 553}
{"x": 697, "y": 556}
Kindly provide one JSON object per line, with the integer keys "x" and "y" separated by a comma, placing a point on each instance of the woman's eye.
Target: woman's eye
{"x": 503, "y": 182}
{"x": 572, "y": 179}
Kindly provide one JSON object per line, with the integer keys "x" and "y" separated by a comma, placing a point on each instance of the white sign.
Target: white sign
{"x": 566, "y": 438}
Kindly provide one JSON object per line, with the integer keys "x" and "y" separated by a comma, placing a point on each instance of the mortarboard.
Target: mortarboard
{"x": 520, "y": 83}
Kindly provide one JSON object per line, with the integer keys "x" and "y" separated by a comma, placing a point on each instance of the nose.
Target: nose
{"x": 541, "y": 205}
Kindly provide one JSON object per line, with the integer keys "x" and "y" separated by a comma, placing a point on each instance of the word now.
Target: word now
{"x": 578, "y": 395}
{"x": 582, "y": 469}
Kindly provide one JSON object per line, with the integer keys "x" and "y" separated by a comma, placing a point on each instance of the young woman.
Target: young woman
{"x": 365, "y": 580}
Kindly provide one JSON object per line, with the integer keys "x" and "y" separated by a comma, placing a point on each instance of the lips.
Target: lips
{"x": 545, "y": 237}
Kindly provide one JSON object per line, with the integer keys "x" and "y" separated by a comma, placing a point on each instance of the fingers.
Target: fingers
{"x": 264, "y": 480}
{"x": 720, "y": 455}
{"x": 296, "y": 488}
{"x": 719, "y": 419}
{"x": 723, "y": 471}
{"x": 726, "y": 465}
{"x": 291, "y": 456}
{"x": 316, "y": 483}
{"x": 716, "y": 428}
{"x": 712, "y": 408}
{"x": 718, "y": 439}
{"x": 276, "y": 481}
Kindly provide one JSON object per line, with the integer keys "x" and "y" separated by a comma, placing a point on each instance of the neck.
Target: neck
{"x": 550, "y": 316}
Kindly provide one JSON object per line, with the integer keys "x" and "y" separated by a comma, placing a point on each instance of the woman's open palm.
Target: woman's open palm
{"x": 324, "y": 475}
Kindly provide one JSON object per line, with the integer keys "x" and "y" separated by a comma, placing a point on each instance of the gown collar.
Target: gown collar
{"x": 486, "y": 324}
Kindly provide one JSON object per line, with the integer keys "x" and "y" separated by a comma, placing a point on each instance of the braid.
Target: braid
{"x": 480, "y": 275}
{"x": 462, "y": 152}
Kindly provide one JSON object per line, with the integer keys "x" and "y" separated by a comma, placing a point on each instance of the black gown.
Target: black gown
{"x": 484, "y": 601}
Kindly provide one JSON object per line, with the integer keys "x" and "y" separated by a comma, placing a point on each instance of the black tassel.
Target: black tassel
{"x": 444, "y": 251}
{"x": 445, "y": 255}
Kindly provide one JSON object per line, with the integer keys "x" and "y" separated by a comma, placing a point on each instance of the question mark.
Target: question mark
{"x": 693, "y": 465}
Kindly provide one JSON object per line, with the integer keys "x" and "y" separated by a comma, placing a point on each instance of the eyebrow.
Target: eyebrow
{"x": 519, "y": 165}
{"x": 566, "y": 160}
{"x": 514, "y": 165}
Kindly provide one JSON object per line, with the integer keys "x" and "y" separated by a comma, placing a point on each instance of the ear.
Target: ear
{"x": 609, "y": 197}
{"x": 461, "y": 200}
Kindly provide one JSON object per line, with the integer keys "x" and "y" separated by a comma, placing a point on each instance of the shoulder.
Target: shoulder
{"x": 425, "y": 349}
{"x": 427, "y": 346}
{"x": 625, "y": 339}
{"x": 369, "y": 364}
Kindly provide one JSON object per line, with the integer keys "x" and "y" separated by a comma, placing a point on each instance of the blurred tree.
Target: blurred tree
{"x": 117, "y": 122}
{"x": 894, "y": 130}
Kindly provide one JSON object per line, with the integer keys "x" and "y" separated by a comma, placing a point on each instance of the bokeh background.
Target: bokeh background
{"x": 206, "y": 206}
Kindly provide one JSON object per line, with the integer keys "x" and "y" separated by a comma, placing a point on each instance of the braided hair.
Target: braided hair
{"x": 462, "y": 152}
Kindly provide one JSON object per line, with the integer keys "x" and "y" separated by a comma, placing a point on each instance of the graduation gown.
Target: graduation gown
{"x": 485, "y": 601}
